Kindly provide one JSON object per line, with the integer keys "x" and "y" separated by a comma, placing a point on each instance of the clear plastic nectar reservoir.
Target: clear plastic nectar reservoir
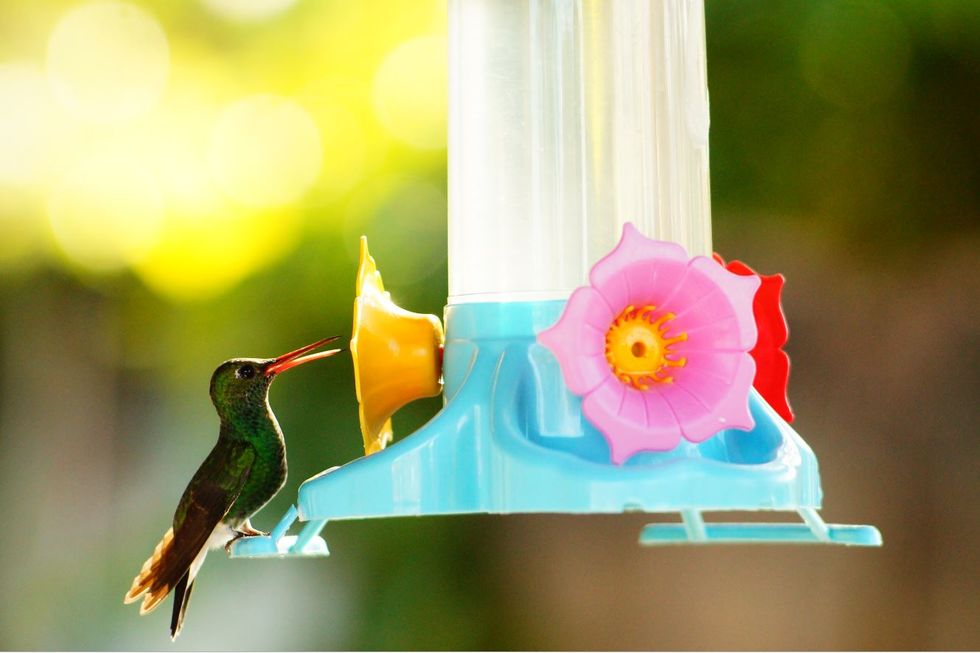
{"x": 568, "y": 119}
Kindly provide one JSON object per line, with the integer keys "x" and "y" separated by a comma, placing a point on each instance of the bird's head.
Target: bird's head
{"x": 241, "y": 384}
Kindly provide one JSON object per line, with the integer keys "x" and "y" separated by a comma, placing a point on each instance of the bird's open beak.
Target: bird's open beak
{"x": 294, "y": 358}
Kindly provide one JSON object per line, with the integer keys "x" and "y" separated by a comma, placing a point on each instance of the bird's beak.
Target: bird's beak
{"x": 294, "y": 358}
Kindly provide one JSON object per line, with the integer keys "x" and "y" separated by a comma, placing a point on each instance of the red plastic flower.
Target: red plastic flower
{"x": 771, "y": 362}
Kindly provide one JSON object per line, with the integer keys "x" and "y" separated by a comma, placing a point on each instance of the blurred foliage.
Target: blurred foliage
{"x": 858, "y": 116}
{"x": 148, "y": 232}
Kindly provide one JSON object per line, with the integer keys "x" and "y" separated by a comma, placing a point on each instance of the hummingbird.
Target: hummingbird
{"x": 244, "y": 470}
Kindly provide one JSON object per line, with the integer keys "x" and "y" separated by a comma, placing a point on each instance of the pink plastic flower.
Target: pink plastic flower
{"x": 657, "y": 345}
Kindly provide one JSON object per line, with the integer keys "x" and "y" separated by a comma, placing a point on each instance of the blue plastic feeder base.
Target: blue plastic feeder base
{"x": 512, "y": 439}
{"x": 277, "y": 544}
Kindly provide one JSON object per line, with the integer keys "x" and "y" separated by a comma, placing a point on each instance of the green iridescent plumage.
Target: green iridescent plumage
{"x": 244, "y": 470}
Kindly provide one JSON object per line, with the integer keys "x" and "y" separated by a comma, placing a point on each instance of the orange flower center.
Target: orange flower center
{"x": 639, "y": 350}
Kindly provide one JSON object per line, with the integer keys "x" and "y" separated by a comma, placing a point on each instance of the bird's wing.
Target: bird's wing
{"x": 207, "y": 499}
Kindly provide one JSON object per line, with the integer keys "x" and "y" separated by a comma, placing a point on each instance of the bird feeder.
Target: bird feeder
{"x": 596, "y": 358}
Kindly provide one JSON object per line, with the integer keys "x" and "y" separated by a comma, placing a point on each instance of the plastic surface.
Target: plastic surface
{"x": 568, "y": 118}
{"x": 279, "y": 545}
{"x": 660, "y": 534}
{"x": 512, "y": 439}
{"x": 397, "y": 355}
{"x": 657, "y": 346}
{"x": 771, "y": 362}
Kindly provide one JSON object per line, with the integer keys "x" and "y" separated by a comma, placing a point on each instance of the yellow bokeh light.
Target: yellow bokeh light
{"x": 410, "y": 92}
{"x": 207, "y": 243}
{"x": 27, "y": 124}
{"x": 174, "y": 142}
{"x": 265, "y": 151}
{"x": 204, "y": 183}
{"x": 248, "y": 10}
{"x": 106, "y": 213}
{"x": 108, "y": 61}
{"x": 199, "y": 256}
{"x": 345, "y": 145}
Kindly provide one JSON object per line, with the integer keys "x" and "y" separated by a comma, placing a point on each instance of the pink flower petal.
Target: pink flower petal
{"x": 614, "y": 408}
{"x": 652, "y": 282}
{"x": 736, "y": 291}
{"x": 633, "y": 408}
{"x": 729, "y": 402}
{"x": 578, "y": 340}
{"x": 686, "y": 408}
{"x": 589, "y": 372}
{"x": 712, "y": 333}
{"x": 708, "y": 365}
{"x": 661, "y": 414}
{"x": 606, "y": 275}
{"x": 711, "y": 305}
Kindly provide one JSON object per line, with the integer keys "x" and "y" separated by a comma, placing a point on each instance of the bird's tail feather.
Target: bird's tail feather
{"x": 182, "y": 597}
{"x": 182, "y": 594}
{"x": 147, "y": 583}
{"x": 173, "y": 565}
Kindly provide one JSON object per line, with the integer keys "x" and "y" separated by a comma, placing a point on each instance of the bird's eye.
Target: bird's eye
{"x": 245, "y": 372}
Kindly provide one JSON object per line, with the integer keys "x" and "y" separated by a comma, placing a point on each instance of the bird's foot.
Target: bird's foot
{"x": 250, "y": 532}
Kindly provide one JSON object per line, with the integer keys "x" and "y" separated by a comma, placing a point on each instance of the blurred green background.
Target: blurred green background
{"x": 183, "y": 182}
